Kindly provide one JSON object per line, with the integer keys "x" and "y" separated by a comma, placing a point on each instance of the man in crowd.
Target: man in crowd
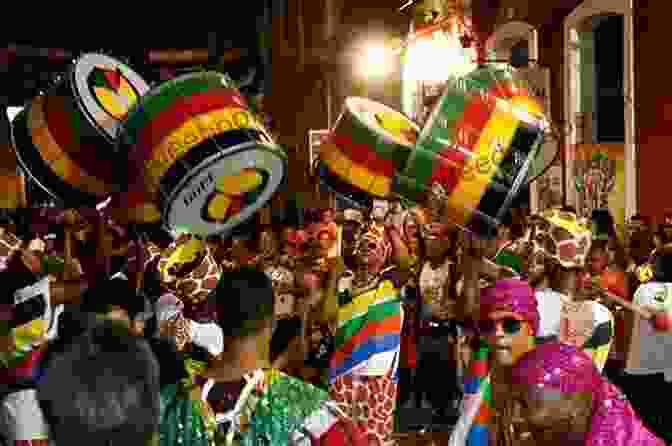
{"x": 102, "y": 389}
{"x": 253, "y": 402}
{"x": 509, "y": 322}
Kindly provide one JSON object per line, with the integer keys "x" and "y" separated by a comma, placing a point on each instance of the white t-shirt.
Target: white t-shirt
{"x": 549, "y": 305}
{"x": 654, "y": 352}
{"x": 21, "y": 417}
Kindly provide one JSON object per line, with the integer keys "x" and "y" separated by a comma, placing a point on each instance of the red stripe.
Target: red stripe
{"x": 170, "y": 119}
{"x": 449, "y": 168}
{"x": 363, "y": 155}
{"x": 389, "y": 325}
{"x": 471, "y": 124}
{"x": 94, "y": 160}
{"x": 479, "y": 367}
{"x": 36, "y": 442}
{"x": 468, "y": 128}
{"x": 58, "y": 121}
{"x": 483, "y": 415}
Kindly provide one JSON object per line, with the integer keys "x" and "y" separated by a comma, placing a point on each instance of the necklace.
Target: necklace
{"x": 432, "y": 282}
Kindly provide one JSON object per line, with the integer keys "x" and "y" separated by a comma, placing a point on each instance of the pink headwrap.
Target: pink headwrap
{"x": 563, "y": 367}
{"x": 511, "y": 295}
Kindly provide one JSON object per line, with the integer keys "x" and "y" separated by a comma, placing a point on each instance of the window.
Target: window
{"x": 607, "y": 27}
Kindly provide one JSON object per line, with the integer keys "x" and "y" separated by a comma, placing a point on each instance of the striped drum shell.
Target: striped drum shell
{"x": 478, "y": 145}
{"x": 65, "y": 138}
{"x": 367, "y": 146}
{"x": 191, "y": 145}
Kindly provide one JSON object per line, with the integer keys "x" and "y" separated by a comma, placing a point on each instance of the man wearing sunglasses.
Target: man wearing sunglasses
{"x": 509, "y": 321}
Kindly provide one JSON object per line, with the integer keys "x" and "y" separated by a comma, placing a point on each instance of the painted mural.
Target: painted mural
{"x": 599, "y": 179}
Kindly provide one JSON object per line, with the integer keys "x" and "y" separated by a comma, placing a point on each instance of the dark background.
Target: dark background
{"x": 23, "y": 76}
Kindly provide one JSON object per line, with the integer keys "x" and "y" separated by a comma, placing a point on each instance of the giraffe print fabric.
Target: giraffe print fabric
{"x": 192, "y": 280}
{"x": 369, "y": 401}
{"x": 9, "y": 244}
{"x": 560, "y": 236}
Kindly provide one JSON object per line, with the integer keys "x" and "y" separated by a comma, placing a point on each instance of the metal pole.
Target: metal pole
{"x": 330, "y": 22}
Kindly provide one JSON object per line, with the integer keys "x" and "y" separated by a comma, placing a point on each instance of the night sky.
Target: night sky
{"x": 25, "y": 76}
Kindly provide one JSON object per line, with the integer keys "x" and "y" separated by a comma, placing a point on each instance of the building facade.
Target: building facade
{"x": 608, "y": 97}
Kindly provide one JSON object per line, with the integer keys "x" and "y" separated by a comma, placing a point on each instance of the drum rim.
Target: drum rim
{"x": 81, "y": 101}
{"x": 167, "y": 202}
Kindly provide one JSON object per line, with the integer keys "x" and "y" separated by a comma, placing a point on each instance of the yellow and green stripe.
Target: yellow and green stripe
{"x": 359, "y": 161}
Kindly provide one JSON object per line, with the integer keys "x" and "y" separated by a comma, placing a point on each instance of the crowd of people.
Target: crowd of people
{"x": 317, "y": 329}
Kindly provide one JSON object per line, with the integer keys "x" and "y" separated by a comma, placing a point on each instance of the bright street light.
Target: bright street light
{"x": 436, "y": 59}
{"x": 375, "y": 61}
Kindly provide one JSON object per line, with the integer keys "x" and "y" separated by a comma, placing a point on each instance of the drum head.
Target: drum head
{"x": 226, "y": 189}
{"x": 107, "y": 89}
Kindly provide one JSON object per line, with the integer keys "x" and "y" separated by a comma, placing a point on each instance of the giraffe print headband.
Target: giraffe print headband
{"x": 560, "y": 236}
{"x": 188, "y": 268}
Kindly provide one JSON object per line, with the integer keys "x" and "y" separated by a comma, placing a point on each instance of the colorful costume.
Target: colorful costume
{"x": 276, "y": 409}
{"x": 363, "y": 368}
{"x": 473, "y": 427}
{"x": 563, "y": 367}
{"x": 565, "y": 239}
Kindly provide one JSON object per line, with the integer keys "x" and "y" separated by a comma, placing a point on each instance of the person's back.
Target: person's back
{"x": 252, "y": 402}
{"x": 102, "y": 389}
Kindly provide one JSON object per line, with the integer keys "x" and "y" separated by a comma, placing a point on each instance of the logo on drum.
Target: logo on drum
{"x": 113, "y": 92}
{"x": 233, "y": 193}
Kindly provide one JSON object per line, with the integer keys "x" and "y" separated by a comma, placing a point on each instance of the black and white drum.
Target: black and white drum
{"x": 65, "y": 138}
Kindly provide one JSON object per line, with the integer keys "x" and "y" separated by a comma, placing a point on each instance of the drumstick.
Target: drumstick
{"x": 624, "y": 303}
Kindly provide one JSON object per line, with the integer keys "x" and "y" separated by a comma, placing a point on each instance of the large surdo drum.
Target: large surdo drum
{"x": 65, "y": 138}
{"x": 195, "y": 149}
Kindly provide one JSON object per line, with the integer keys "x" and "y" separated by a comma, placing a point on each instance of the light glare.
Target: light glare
{"x": 12, "y": 112}
{"x": 436, "y": 59}
{"x": 376, "y": 61}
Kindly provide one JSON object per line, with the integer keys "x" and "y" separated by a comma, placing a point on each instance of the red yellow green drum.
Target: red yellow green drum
{"x": 368, "y": 145}
{"x": 65, "y": 138}
{"x": 478, "y": 144}
{"x": 197, "y": 152}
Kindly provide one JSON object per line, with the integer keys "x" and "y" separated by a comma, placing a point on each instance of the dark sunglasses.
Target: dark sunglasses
{"x": 510, "y": 326}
